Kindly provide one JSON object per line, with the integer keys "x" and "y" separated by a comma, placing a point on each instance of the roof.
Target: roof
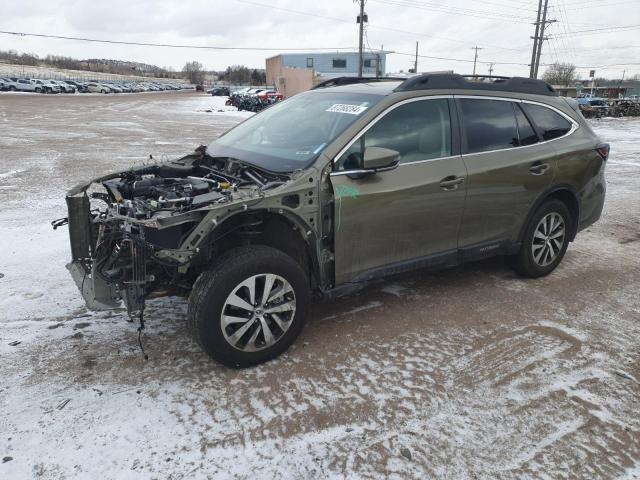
{"x": 383, "y": 86}
{"x": 375, "y": 88}
{"x": 334, "y": 53}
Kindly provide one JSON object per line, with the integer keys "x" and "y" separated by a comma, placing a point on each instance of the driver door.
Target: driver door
{"x": 407, "y": 217}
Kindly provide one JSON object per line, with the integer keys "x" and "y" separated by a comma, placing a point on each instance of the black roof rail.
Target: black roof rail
{"x": 338, "y": 81}
{"x": 452, "y": 81}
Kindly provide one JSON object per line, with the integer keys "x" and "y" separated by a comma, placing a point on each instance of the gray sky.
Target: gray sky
{"x": 444, "y": 29}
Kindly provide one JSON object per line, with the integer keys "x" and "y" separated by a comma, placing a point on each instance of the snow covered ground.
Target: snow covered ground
{"x": 467, "y": 373}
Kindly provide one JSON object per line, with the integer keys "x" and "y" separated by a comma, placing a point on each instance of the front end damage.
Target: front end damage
{"x": 151, "y": 230}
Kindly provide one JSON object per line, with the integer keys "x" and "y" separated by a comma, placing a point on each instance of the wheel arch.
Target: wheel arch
{"x": 282, "y": 230}
{"x": 567, "y": 194}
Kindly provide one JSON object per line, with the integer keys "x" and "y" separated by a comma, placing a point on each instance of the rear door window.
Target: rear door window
{"x": 551, "y": 124}
{"x": 488, "y": 125}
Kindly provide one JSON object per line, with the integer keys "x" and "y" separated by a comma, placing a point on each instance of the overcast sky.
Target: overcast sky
{"x": 444, "y": 29}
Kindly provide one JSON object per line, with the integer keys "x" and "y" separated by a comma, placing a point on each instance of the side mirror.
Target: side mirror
{"x": 378, "y": 159}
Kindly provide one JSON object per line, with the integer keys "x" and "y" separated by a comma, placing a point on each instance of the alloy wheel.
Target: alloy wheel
{"x": 548, "y": 239}
{"x": 258, "y": 312}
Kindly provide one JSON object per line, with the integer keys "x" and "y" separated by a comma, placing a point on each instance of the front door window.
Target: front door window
{"x": 419, "y": 130}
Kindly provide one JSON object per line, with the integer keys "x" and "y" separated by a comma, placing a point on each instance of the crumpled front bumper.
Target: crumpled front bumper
{"x": 97, "y": 293}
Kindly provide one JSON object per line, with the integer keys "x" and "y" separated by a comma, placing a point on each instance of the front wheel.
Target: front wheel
{"x": 250, "y": 307}
{"x": 545, "y": 241}
{"x": 38, "y": 90}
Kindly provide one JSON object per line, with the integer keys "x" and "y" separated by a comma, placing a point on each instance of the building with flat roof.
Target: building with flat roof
{"x": 291, "y": 73}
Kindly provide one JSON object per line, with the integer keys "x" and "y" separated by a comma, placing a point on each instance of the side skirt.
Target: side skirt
{"x": 438, "y": 261}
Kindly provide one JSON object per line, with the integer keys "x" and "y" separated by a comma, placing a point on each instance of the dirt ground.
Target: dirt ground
{"x": 470, "y": 373}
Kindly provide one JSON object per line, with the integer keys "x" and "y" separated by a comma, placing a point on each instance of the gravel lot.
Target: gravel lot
{"x": 467, "y": 373}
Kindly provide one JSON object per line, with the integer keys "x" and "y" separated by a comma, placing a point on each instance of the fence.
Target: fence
{"x": 28, "y": 71}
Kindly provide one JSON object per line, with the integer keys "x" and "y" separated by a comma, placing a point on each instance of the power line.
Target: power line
{"x": 455, "y": 11}
{"x": 379, "y": 27}
{"x": 621, "y": 28}
{"x": 467, "y": 60}
{"x": 168, "y": 45}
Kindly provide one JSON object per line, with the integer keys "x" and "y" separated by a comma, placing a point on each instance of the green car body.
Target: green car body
{"x": 353, "y": 212}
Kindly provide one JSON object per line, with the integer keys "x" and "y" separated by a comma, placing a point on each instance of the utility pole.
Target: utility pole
{"x": 475, "y": 59}
{"x": 415, "y": 64}
{"x": 535, "y": 41}
{"x": 538, "y": 39}
{"x": 361, "y": 22}
{"x": 491, "y": 69}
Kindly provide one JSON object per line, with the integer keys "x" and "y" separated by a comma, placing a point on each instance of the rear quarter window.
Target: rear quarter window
{"x": 550, "y": 124}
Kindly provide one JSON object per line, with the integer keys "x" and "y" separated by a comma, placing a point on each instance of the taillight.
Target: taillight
{"x": 603, "y": 150}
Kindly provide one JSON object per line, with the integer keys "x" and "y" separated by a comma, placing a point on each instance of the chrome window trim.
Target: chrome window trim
{"x": 574, "y": 124}
{"x": 374, "y": 121}
{"x": 574, "y": 127}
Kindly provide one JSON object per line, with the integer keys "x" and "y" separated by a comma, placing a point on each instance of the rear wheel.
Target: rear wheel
{"x": 12, "y": 88}
{"x": 545, "y": 241}
{"x": 250, "y": 306}
{"x": 38, "y": 90}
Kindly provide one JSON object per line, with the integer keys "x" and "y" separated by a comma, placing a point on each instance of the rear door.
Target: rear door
{"x": 397, "y": 218}
{"x": 508, "y": 168}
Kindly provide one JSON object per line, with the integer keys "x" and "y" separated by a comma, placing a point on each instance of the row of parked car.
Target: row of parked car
{"x": 597, "y": 107}
{"x": 37, "y": 85}
{"x": 253, "y": 99}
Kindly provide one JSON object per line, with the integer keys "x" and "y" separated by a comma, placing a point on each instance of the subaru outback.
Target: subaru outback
{"x": 331, "y": 189}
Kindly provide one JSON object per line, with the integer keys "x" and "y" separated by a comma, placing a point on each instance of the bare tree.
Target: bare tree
{"x": 194, "y": 72}
{"x": 560, "y": 74}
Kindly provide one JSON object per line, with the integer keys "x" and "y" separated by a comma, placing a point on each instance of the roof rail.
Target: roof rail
{"x": 338, "y": 81}
{"x": 452, "y": 81}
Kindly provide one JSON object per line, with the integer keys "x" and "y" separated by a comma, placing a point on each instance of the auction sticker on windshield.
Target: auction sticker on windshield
{"x": 345, "y": 108}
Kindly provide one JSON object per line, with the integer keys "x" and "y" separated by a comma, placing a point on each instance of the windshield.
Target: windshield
{"x": 291, "y": 134}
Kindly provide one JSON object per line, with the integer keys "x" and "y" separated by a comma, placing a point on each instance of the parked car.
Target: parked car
{"x": 333, "y": 188}
{"x": 53, "y": 86}
{"x": 114, "y": 88}
{"x": 94, "y": 87}
{"x": 9, "y": 84}
{"x": 219, "y": 91}
{"x": 593, "y": 106}
{"x": 79, "y": 86}
{"x": 25, "y": 85}
{"x": 270, "y": 95}
{"x": 45, "y": 86}
{"x": 199, "y": 88}
{"x": 64, "y": 86}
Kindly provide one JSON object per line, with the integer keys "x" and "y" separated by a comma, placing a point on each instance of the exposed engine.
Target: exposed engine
{"x": 144, "y": 216}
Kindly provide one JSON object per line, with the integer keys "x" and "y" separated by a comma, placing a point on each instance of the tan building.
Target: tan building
{"x": 292, "y": 73}
{"x": 287, "y": 80}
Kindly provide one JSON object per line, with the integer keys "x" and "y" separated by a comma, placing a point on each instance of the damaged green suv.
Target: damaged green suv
{"x": 333, "y": 188}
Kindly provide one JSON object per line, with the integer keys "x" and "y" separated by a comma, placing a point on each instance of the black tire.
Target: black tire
{"x": 38, "y": 90}
{"x": 213, "y": 287}
{"x": 524, "y": 262}
{"x": 12, "y": 88}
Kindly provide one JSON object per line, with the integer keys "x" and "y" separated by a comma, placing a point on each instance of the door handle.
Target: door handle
{"x": 451, "y": 182}
{"x": 539, "y": 168}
